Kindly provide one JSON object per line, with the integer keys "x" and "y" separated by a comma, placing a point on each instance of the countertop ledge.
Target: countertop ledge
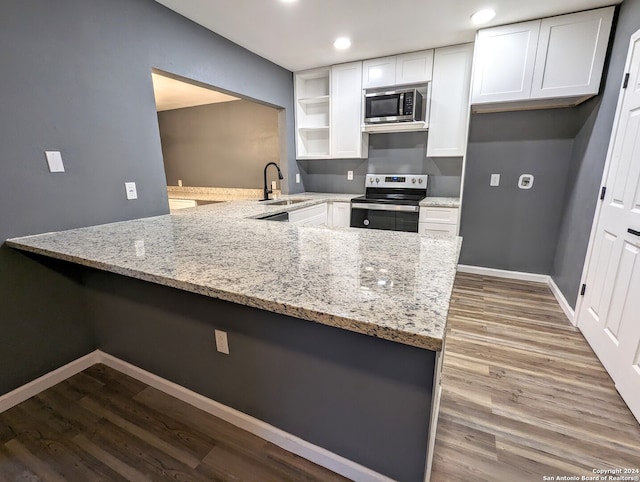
{"x": 391, "y": 285}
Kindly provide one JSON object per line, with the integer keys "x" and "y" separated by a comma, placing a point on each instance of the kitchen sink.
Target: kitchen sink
{"x": 286, "y": 202}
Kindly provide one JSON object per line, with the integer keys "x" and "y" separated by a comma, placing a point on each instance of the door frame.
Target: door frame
{"x": 605, "y": 176}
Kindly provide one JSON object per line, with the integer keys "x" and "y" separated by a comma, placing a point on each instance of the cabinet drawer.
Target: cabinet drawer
{"x": 437, "y": 228}
{"x": 311, "y": 215}
{"x": 439, "y": 215}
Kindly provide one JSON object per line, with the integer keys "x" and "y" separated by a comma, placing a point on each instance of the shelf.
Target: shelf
{"x": 396, "y": 127}
{"x": 321, "y": 99}
{"x": 313, "y": 128}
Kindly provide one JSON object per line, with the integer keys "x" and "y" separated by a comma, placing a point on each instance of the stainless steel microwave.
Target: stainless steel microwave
{"x": 401, "y": 105}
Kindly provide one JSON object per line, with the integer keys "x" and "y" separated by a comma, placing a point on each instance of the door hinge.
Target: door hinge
{"x": 603, "y": 192}
{"x": 626, "y": 80}
{"x": 583, "y": 289}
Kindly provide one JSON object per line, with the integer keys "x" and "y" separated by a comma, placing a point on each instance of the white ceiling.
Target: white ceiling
{"x": 174, "y": 94}
{"x": 300, "y": 35}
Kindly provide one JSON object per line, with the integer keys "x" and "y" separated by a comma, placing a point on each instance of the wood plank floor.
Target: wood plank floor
{"x": 104, "y": 425}
{"x": 524, "y": 396}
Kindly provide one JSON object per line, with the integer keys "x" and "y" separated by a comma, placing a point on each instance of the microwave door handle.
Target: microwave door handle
{"x": 401, "y": 104}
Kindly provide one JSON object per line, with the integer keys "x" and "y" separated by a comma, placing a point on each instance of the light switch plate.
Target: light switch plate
{"x": 130, "y": 188}
{"x": 297, "y": 178}
{"x": 349, "y": 175}
{"x": 54, "y": 159}
{"x": 495, "y": 180}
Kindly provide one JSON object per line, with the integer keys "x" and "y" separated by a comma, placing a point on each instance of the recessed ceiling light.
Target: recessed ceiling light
{"x": 342, "y": 43}
{"x": 288, "y": 1}
{"x": 483, "y": 16}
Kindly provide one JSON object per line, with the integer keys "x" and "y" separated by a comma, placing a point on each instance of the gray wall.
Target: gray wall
{"x": 587, "y": 163}
{"x": 361, "y": 397}
{"x": 506, "y": 227}
{"x": 76, "y": 77}
{"x": 389, "y": 153}
{"x": 219, "y": 145}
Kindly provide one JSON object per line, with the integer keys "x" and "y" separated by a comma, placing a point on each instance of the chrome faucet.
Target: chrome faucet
{"x": 267, "y": 191}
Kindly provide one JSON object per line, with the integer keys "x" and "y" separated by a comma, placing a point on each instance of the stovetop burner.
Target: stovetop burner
{"x": 404, "y": 189}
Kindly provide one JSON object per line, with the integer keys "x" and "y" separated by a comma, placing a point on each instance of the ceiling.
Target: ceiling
{"x": 175, "y": 94}
{"x": 300, "y": 35}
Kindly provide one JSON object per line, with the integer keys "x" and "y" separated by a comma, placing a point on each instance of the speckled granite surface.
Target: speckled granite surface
{"x": 390, "y": 285}
{"x": 441, "y": 202}
{"x": 214, "y": 193}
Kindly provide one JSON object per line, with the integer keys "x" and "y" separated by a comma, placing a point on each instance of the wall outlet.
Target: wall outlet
{"x": 525, "y": 181}
{"x": 349, "y": 175}
{"x": 179, "y": 182}
{"x": 130, "y": 189}
{"x": 273, "y": 186}
{"x": 222, "y": 344}
{"x": 297, "y": 178}
{"x": 495, "y": 180}
{"x": 54, "y": 159}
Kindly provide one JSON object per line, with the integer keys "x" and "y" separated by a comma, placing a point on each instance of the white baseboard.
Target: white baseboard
{"x": 287, "y": 441}
{"x": 44, "y": 382}
{"x": 502, "y": 273}
{"x": 562, "y": 301}
{"x": 519, "y": 275}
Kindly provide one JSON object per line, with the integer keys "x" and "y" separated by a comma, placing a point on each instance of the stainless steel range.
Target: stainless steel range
{"x": 391, "y": 202}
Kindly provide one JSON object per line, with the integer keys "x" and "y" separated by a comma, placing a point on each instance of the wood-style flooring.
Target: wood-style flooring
{"x": 523, "y": 395}
{"x": 104, "y": 425}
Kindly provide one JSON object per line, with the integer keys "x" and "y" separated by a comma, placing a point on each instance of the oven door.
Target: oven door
{"x": 387, "y": 217}
{"x": 383, "y": 107}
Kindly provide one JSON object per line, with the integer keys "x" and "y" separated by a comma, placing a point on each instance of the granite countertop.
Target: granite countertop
{"x": 392, "y": 285}
{"x": 441, "y": 202}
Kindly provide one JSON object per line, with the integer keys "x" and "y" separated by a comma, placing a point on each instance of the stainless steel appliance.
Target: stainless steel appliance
{"x": 391, "y": 202}
{"x": 401, "y": 105}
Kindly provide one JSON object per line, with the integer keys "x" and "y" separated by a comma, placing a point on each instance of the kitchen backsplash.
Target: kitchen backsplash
{"x": 402, "y": 153}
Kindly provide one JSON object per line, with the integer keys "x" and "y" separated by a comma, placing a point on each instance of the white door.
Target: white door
{"x": 347, "y": 139}
{"x": 571, "y": 53}
{"x": 379, "y": 72}
{"x": 504, "y": 61}
{"x": 609, "y": 314}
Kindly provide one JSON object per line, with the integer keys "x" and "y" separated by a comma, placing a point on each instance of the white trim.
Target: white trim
{"x": 562, "y": 301}
{"x": 287, "y": 441}
{"x": 46, "y": 381}
{"x": 502, "y": 273}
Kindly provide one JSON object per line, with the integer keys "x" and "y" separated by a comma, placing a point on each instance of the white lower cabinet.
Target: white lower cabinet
{"x": 437, "y": 220}
{"x": 339, "y": 215}
{"x": 313, "y": 215}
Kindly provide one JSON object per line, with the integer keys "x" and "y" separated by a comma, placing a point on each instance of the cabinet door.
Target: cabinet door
{"x": 415, "y": 67}
{"x": 346, "y": 111}
{"x": 340, "y": 215}
{"x": 571, "y": 53}
{"x": 449, "y": 116}
{"x": 379, "y": 72}
{"x": 504, "y": 61}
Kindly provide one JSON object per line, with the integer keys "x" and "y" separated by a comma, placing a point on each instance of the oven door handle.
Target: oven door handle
{"x": 385, "y": 207}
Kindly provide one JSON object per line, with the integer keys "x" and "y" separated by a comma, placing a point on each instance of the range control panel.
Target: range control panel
{"x": 411, "y": 181}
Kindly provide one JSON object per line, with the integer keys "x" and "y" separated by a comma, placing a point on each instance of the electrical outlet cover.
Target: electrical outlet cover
{"x": 525, "y": 181}
{"x": 130, "y": 189}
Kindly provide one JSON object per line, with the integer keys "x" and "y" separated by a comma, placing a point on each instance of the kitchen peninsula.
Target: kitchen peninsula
{"x": 357, "y": 381}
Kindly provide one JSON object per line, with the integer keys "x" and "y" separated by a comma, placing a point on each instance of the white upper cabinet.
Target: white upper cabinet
{"x": 379, "y": 72}
{"x": 312, "y": 113}
{"x": 411, "y": 68}
{"x": 449, "y": 116}
{"x": 329, "y": 113}
{"x": 414, "y": 68}
{"x": 555, "y": 58}
{"x": 572, "y": 49}
{"x": 504, "y": 61}
{"x": 347, "y": 139}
